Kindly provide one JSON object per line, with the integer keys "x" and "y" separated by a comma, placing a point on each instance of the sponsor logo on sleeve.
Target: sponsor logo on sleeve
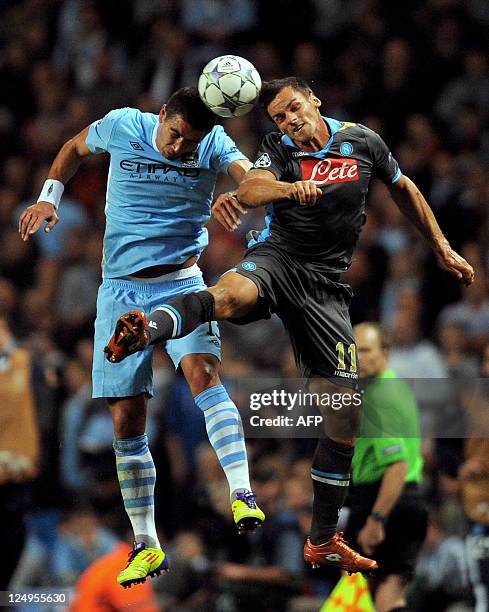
{"x": 263, "y": 161}
{"x": 390, "y": 450}
{"x": 330, "y": 170}
{"x": 136, "y": 146}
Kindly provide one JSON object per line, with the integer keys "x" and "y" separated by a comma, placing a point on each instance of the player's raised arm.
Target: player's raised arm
{"x": 414, "y": 206}
{"x": 412, "y": 203}
{"x": 64, "y": 166}
{"x": 227, "y": 207}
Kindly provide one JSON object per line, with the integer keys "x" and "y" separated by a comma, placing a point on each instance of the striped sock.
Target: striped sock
{"x": 137, "y": 476}
{"x": 225, "y": 431}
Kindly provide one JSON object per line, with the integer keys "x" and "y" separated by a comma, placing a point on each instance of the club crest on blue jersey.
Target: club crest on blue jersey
{"x": 248, "y": 265}
{"x": 346, "y": 148}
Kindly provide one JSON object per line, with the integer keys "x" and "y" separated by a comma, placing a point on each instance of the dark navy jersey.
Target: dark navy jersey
{"x": 325, "y": 234}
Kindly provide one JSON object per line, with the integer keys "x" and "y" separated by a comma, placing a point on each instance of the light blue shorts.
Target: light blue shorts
{"x": 134, "y": 375}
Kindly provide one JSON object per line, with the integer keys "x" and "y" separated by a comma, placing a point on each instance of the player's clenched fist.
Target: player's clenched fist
{"x": 305, "y": 192}
{"x": 452, "y": 262}
{"x": 33, "y": 217}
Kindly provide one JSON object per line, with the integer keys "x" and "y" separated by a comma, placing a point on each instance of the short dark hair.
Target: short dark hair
{"x": 270, "y": 89}
{"x": 186, "y": 102}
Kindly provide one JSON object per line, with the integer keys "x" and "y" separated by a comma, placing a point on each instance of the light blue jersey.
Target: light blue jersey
{"x": 156, "y": 208}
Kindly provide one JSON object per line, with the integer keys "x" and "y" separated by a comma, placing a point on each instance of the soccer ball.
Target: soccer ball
{"x": 229, "y": 85}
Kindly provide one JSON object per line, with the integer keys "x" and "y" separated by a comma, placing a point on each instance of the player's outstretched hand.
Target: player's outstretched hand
{"x": 226, "y": 209}
{"x": 452, "y": 262}
{"x": 34, "y": 216}
{"x": 306, "y": 192}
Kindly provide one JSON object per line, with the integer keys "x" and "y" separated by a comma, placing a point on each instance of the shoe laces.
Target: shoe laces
{"x": 140, "y": 546}
{"x": 248, "y": 497}
{"x": 340, "y": 540}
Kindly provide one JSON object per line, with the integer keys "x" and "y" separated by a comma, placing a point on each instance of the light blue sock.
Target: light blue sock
{"x": 225, "y": 431}
{"x": 137, "y": 476}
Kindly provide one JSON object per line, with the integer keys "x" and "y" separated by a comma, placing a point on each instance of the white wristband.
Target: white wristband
{"x": 51, "y": 192}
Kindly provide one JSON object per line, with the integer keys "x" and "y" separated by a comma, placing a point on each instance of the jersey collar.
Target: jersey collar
{"x": 153, "y": 137}
{"x": 333, "y": 125}
{"x": 387, "y": 374}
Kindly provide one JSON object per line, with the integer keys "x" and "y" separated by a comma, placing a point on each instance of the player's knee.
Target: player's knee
{"x": 340, "y": 408}
{"x": 346, "y": 440}
{"x": 128, "y": 416}
{"x": 201, "y": 372}
{"x": 341, "y": 425}
{"x": 228, "y": 302}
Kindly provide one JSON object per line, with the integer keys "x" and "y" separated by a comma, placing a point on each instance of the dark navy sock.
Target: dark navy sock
{"x": 180, "y": 316}
{"x": 330, "y": 473}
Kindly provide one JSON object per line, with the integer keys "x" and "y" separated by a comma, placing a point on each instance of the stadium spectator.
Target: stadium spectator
{"x": 19, "y": 446}
{"x": 441, "y": 576}
{"x": 97, "y": 589}
{"x": 474, "y": 483}
{"x": 471, "y": 313}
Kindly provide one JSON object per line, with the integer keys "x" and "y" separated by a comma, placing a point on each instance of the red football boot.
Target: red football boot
{"x": 129, "y": 337}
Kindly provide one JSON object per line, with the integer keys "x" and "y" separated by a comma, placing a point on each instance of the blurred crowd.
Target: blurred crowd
{"x": 418, "y": 73}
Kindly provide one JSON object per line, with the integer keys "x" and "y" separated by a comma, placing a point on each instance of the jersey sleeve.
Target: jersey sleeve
{"x": 385, "y": 166}
{"x": 225, "y": 151}
{"x": 270, "y": 157}
{"x": 101, "y": 132}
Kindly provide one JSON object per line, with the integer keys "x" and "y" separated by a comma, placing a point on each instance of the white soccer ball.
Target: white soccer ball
{"x": 229, "y": 85}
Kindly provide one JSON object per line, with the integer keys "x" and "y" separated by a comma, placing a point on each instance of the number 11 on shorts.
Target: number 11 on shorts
{"x": 352, "y": 352}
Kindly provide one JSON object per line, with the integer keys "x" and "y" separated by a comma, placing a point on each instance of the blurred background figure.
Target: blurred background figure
{"x": 474, "y": 485}
{"x": 19, "y": 447}
{"x": 388, "y": 516}
{"x": 97, "y": 589}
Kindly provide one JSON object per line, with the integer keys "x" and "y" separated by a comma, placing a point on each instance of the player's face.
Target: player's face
{"x": 296, "y": 114}
{"x": 372, "y": 357}
{"x": 175, "y": 136}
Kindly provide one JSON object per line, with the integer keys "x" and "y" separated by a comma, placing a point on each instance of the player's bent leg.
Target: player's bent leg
{"x": 224, "y": 428}
{"x": 137, "y": 476}
{"x": 233, "y": 296}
